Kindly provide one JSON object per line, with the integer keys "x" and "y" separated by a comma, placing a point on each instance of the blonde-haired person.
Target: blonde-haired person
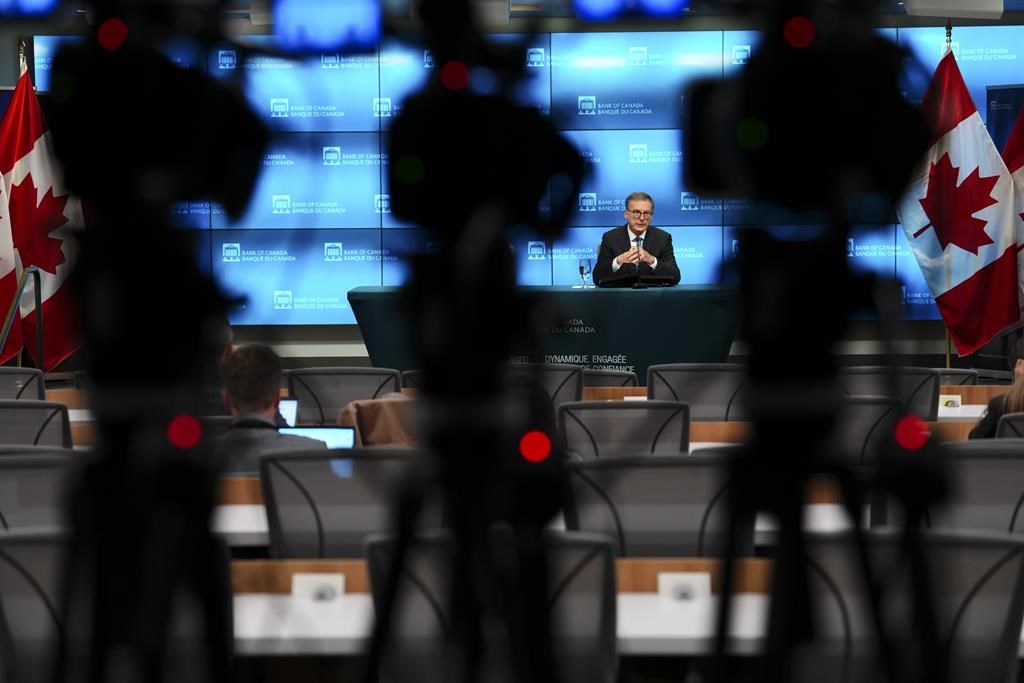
{"x": 1010, "y": 402}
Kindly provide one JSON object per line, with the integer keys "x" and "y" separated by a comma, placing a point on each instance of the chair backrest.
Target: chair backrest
{"x": 596, "y": 429}
{"x": 977, "y": 601}
{"x": 412, "y": 379}
{"x": 957, "y": 376}
{"x": 323, "y": 392}
{"x": 916, "y": 388}
{"x": 985, "y": 487}
{"x": 672, "y": 506}
{"x": 30, "y": 625}
{"x": 1010, "y": 426}
{"x": 581, "y": 603}
{"x": 714, "y": 391}
{"x": 609, "y": 378}
{"x": 32, "y": 490}
{"x": 561, "y": 383}
{"x": 324, "y": 503}
{"x": 34, "y": 423}
{"x": 22, "y": 383}
{"x": 863, "y": 424}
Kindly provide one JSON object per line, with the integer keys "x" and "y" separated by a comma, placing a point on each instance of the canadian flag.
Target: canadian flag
{"x": 959, "y": 217}
{"x": 1013, "y": 155}
{"x": 38, "y": 217}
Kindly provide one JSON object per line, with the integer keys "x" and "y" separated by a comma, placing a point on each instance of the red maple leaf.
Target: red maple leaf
{"x": 950, "y": 208}
{"x": 32, "y": 225}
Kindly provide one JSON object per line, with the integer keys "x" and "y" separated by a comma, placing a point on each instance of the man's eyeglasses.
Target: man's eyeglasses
{"x": 636, "y": 213}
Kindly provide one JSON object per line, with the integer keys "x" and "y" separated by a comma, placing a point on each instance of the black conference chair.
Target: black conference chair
{"x": 977, "y": 602}
{"x": 863, "y": 425}
{"x": 1010, "y": 426}
{"x": 672, "y": 506}
{"x": 986, "y": 488}
{"x": 412, "y": 379}
{"x": 31, "y": 566}
{"x": 34, "y": 423}
{"x": 24, "y": 383}
{"x": 961, "y": 377}
{"x": 561, "y": 383}
{"x": 323, "y": 504}
{"x": 609, "y": 378}
{"x": 596, "y": 429}
{"x": 32, "y": 490}
{"x": 581, "y": 603}
{"x": 323, "y": 392}
{"x": 714, "y": 391}
{"x": 916, "y": 388}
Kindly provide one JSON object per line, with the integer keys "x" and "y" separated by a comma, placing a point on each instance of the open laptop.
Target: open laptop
{"x": 289, "y": 409}
{"x": 334, "y": 437}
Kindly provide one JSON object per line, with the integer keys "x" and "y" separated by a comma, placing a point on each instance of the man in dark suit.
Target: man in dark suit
{"x": 636, "y": 247}
{"x": 252, "y": 380}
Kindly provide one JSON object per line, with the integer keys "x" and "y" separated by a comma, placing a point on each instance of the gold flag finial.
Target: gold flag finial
{"x": 949, "y": 35}
{"x": 21, "y": 48}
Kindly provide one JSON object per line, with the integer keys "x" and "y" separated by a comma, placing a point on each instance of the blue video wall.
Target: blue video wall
{"x": 319, "y": 222}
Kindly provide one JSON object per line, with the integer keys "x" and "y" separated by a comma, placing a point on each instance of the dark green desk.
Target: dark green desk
{"x": 598, "y": 328}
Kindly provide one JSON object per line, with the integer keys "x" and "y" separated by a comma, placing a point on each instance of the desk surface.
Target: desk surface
{"x": 647, "y": 624}
{"x": 696, "y": 325}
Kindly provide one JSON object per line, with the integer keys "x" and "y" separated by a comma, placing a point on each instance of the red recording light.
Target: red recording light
{"x": 184, "y": 431}
{"x": 535, "y": 446}
{"x": 911, "y": 433}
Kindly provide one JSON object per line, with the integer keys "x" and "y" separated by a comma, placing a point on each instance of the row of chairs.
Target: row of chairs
{"x": 976, "y": 606}
{"x": 714, "y": 391}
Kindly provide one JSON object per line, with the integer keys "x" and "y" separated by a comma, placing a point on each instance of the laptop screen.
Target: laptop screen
{"x": 334, "y": 437}
{"x": 289, "y": 408}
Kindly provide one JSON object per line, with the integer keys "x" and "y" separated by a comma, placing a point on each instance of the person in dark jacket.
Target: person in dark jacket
{"x": 1010, "y": 402}
{"x": 252, "y": 380}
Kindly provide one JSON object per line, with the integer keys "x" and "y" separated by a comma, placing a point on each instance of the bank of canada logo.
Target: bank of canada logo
{"x": 279, "y": 108}
{"x": 382, "y": 107}
{"x": 586, "y": 105}
{"x": 688, "y": 201}
{"x": 638, "y": 154}
{"x": 231, "y": 252}
{"x": 332, "y": 156}
{"x": 282, "y": 299}
{"x": 849, "y": 247}
{"x": 535, "y": 57}
{"x": 334, "y": 251}
{"x": 638, "y": 56}
{"x": 281, "y": 203}
{"x": 330, "y": 61}
{"x": 428, "y": 59}
{"x": 588, "y": 201}
{"x": 382, "y": 203}
{"x": 740, "y": 54}
{"x": 227, "y": 59}
{"x": 536, "y": 251}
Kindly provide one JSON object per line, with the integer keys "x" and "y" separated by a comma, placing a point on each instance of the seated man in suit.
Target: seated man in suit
{"x": 252, "y": 380}
{"x": 638, "y": 247}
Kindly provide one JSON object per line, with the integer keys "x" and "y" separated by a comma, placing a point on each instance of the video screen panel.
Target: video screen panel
{"x": 331, "y": 93}
{"x": 316, "y": 180}
{"x": 604, "y": 81}
{"x": 619, "y": 162}
{"x": 987, "y": 56}
{"x": 576, "y": 247}
{"x": 698, "y": 252}
{"x": 1004, "y": 104}
{"x": 295, "y": 277}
